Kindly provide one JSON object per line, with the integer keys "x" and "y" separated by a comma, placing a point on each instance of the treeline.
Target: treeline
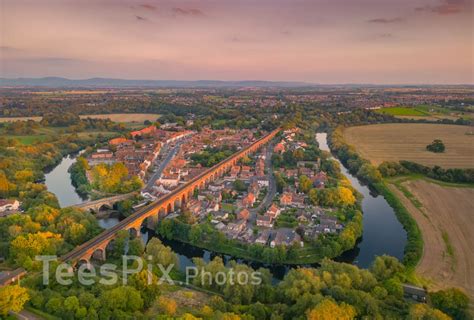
{"x": 438, "y": 173}
{"x": 370, "y": 174}
{"x": 332, "y": 291}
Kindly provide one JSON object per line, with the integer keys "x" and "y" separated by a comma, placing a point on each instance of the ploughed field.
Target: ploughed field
{"x": 408, "y": 141}
{"x": 445, "y": 217}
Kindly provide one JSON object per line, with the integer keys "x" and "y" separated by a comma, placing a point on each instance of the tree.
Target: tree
{"x": 422, "y": 311}
{"x": 453, "y": 302}
{"x": 304, "y": 184}
{"x": 5, "y": 185}
{"x": 161, "y": 254}
{"x": 280, "y": 182}
{"x": 346, "y": 197}
{"x": 167, "y": 306}
{"x": 135, "y": 247}
{"x": 12, "y": 298}
{"x": 327, "y": 310}
{"x": 239, "y": 185}
{"x": 384, "y": 267}
{"x": 123, "y": 298}
{"x": 437, "y": 146}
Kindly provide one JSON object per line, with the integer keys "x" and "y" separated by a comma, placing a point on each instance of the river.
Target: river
{"x": 382, "y": 233}
{"x": 58, "y": 181}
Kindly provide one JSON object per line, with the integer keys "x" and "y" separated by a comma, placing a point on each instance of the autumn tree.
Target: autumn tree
{"x": 327, "y": 309}
{"x": 421, "y": 311}
{"x": 12, "y": 298}
{"x": 453, "y": 302}
{"x": 167, "y": 306}
{"x": 304, "y": 183}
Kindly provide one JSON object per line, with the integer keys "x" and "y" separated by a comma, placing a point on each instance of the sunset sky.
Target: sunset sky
{"x": 319, "y": 41}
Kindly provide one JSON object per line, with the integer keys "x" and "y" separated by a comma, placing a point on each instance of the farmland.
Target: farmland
{"x": 402, "y": 111}
{"x": 444, "y": 215}
{"x": 116, "y": 117}
{"x": 425, "y": 112}
{"x": 394, "y": 142}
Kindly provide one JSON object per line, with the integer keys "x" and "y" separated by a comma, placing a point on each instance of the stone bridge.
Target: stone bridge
{"x": 107, "y": 203}
{"x": 150, "y": 214}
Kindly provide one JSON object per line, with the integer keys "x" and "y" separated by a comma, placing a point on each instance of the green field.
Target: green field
{"x": 28, "y": 140}
{"x": 429, "y": 112}
{"x": 404, "y": 111}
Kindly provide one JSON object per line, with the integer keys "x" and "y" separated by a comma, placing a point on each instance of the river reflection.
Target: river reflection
{"x": 58, "y": 181}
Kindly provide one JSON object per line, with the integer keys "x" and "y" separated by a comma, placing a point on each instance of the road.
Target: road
{"x": 271, "y": 191}
{"x": 161, "y": 164}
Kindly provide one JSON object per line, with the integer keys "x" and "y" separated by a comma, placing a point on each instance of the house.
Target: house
{"x": 9, "y": 205}
{"x": 297, "y": 200}
{"x": 234, "y": 171}
{"x": 237, "y": 227}
{"x": 168, "y": 179}
{"x": 291, "y": 173}
{"x": 101, "y": 156}
{"x": 248, "y": 200}
{"x": 279, "y": 148}
{"x": 145, "y": 131}
{"x": 254, "y": 187}
{"x": 121, "y": 142}
{"x": 285, "y": 237}
{"x": 263, "y": 181}
{"x": 243, "y": 214}
{"x": 286, "y": 199}
{"x": 220, "y": 215}
{"x": 273, "y": 211}
{"x": 320, "y": 179}
{"x": 303, "y": 217}
{"x": 263, "y": 237}
{"x": 264, "y": 221}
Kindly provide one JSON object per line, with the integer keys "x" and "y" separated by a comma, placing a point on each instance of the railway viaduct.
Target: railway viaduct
{"x": 109, "y": 202}
{"x": 150, "y": 215}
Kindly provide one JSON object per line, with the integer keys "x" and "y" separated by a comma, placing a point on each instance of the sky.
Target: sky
{"x": 318, "y": 41}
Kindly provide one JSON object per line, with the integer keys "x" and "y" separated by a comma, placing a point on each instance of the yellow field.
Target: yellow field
{"x": 444, "y": 215}
{"x": 19, "y": 119}
{"x": 402, "y": 141}
{"x": 116, "y": 117}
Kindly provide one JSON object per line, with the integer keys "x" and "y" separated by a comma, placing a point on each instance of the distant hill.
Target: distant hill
{"x": 57, "y": 82}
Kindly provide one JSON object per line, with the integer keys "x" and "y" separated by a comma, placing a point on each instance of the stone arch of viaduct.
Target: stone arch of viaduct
{"x": 96, "y": 247}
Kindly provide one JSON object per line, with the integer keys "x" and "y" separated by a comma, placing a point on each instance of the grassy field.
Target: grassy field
{"x": 444, "y": 215}
{"x": 425, "y": 112}
{"x": 402, "y": 111}
{"x": 28, "y": 140}
{"x": 394, "y": 142}
{"x": 116, "y": 117}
